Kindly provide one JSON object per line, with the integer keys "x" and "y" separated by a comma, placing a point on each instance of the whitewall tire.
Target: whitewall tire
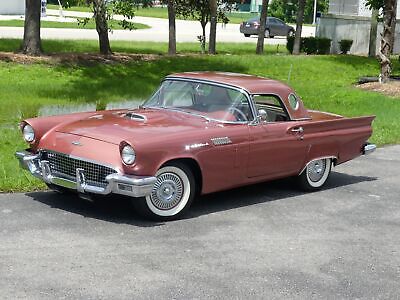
{"x": 172, "y": 193}
{"x": 315, "y": 174}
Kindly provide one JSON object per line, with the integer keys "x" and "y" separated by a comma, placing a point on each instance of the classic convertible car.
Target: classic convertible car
{"x": 199, "y": 133}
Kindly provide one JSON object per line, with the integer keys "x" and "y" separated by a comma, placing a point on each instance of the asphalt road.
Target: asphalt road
{"x": 186, "y": 31}
{"x": 264, "y": 241}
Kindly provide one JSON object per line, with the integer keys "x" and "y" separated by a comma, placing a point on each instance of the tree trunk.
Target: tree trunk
{"x": 389, "y": 26}
{"x": 299, "y": 27}
{"x": 172, "y": 28}
{"x": 213, "y": 27}
{"x": 203, "y": 37}
{"x": 100, "y": 16}
{"x": 372, "y": 33}
{"x": 31, "y": 44}
{"x": 261, "y": 32}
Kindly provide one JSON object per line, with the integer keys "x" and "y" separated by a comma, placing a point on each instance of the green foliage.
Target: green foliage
{"x": 345, "y": 46}
{"x": 286, "y": 10}
{"x": 375, "y": 4}
{"x": 125, "y": 8}
{"x": 310, "y": 45}
{"x": 200, "y": 10}
{"x": 290, "y": 44}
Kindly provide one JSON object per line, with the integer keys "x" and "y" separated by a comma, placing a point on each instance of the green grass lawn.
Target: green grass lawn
{"x": 324, "y": 82}
{"x": 72, "y": 8}
{"x": 53, "y": 24}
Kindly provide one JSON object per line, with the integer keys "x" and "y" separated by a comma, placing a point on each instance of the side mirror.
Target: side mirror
{"x": 262, "y": 115}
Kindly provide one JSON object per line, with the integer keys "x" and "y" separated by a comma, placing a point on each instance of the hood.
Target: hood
{"x": 133, "y": 125}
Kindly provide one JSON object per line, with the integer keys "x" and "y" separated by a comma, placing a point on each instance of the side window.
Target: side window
{"x": 293, "y": 101}
{"x": 280, "y": 22}
{"x": 271, "y": 107}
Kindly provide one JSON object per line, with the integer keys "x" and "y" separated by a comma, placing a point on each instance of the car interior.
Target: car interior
{"x": 272, "y": 106}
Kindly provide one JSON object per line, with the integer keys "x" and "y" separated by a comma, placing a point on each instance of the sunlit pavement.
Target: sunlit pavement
{"x": 259, "y": 242}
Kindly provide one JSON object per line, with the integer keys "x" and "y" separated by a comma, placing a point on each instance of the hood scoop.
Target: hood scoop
{"x": 135, "y": 117}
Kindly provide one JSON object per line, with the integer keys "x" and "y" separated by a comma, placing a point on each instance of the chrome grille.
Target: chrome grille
{"x": 65, "y": 166}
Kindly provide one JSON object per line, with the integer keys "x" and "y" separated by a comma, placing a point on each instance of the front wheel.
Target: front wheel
{"x": 315, "y": 174}
{"x": 246, "y": 35}
{"x": 267, "y": 33}
{"x": 290, "y": 33}
{"x": 171, "y": 196}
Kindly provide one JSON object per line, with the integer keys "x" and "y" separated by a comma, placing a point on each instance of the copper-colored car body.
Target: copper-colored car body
{"x": 220, "y": 150}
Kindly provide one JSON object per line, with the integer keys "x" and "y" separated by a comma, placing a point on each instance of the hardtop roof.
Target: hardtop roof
{"x": 251, "y": 83}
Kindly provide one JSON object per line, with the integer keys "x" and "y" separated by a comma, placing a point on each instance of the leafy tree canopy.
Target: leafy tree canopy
{"x": 286, "y": 10}
{"x": 375, "y": 4}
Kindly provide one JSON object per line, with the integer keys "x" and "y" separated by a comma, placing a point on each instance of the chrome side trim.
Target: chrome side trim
{"x": 129, "y": 185}
{"x": 317, "y": 158}
{"x": 368, "y": 148}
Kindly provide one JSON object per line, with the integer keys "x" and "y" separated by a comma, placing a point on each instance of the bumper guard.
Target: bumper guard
{"x": 129, "y": 185}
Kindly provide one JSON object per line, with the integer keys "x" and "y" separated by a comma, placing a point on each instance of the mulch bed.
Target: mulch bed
{"x": 76, "y": 58}
{"x": 391, "y": 89}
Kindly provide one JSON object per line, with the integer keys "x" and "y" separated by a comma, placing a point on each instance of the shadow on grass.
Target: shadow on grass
{"x": 117, "y": 209}
{"x": 132, "y": 80}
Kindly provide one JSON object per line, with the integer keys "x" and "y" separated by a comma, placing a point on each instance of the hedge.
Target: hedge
{"x": 311, "y": 45}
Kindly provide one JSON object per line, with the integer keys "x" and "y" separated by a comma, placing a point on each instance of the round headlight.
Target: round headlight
{"x": 29, "y": 133}
{"x": 128, "y": 155}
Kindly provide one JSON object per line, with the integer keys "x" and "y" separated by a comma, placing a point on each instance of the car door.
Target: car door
{"x": 281, "y": 28}
{"x": 276, "y": 144}
{"x": 273, "y": 27}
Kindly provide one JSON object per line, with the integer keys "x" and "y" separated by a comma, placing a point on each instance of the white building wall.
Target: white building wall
{"x": 12, "y": 7}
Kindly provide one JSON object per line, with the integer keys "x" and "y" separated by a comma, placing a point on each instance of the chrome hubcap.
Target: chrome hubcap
{"x": 167, "y": 191}
{"x": 316, "y": 170}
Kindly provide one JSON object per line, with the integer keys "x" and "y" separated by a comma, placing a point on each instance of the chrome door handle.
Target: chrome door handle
{"x": 297, "y": 130}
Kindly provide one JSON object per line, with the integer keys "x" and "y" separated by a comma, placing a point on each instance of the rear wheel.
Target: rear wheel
{"x": 315, "y": 174}
{"x": 246, "y": 35}
{"x": 171, "y": 196}
{"x": 267, "y": 33}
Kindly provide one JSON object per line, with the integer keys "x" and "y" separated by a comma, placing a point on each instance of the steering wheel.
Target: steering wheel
{"x": 239, "y": 115}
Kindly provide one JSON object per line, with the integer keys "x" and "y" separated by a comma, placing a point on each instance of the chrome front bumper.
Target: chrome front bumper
{"x": 368, "y": 148}
{"x": 129, "y": 185}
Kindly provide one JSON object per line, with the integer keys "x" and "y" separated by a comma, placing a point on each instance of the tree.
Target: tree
{"x": 389, "y": 8}
{"x": 104, "y": 11}
{"x": 372, "y": 33}
{"x": 213, "y": 27}
{"x": 171, "y": 28}
{"x": 101, "y": 19}
{"x": 31, "y": 44}
{"x": 286, "y": 9}
{"x": 299, "y": 27}
{"x": 200, "y": 10}
{"x": 261, "y": 30}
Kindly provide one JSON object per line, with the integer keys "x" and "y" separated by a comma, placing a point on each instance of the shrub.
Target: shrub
{"x": 345, "y": 46}
{"x": 324, "y": 45}
{"x": 290, "y": 44}
{"x": 310, "y": 45}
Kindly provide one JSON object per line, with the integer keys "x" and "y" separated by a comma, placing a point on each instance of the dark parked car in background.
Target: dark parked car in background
{"x": 274, "y": 27}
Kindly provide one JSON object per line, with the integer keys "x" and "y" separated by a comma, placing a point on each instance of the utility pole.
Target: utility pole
{"x": 315, "y": 12}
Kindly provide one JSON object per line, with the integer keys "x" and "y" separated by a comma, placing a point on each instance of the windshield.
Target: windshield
{"x": 207, "y": 100}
